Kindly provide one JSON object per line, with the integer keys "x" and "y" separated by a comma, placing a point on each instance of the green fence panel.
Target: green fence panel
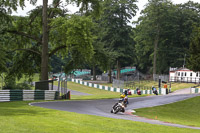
{"x": 135, "y": 92}
{"x": 103, "y": 87}
{"x": 196, "y": 90}
{"x": 16, "y": 95}
{"x": 115, "y": 89}
{"x": 159, "y": 90}
{"x": 56, "y": 95}
{"x": 109, "y": 89}
{"x": 39, "y": 95}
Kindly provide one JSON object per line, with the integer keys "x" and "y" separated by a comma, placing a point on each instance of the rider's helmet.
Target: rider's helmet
{"x": 126, "y": 92}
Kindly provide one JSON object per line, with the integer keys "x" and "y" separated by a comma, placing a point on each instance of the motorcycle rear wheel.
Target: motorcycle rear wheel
{"x": 116, "y": 111}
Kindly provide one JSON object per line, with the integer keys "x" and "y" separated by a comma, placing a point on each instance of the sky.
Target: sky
{"x": 141, "y": 4}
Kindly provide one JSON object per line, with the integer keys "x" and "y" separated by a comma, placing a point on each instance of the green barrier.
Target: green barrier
{"x": 16, "y": 95}
{"x": 56, "y": 95}
{"x": 39, "y": 95}
{"x": 196, "y": 90}
{"x": 135, "y": 92}
{"x": 103, "y": 87}
{"x": 159, "y": 90}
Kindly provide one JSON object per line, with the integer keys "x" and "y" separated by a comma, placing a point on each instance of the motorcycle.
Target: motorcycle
{"x": 118, "y": 107}
{"x": 155, "y": 91}
{"x": 138, "y": 91}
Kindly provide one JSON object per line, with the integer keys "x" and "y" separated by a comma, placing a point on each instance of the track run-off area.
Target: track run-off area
{"x": 103, "y": 107}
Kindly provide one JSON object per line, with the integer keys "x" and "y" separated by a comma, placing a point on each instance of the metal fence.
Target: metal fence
{"x": 118, "y": 83}
{"x": 185, "y": 79}
{"x": 156, "y": 77}
{"x": 63, "y": 87}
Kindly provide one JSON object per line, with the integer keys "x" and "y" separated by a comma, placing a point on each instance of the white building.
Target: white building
{"x": 183, "y": 75}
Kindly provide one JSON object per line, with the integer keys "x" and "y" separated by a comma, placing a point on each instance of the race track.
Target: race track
{"x": 103, "y": 107}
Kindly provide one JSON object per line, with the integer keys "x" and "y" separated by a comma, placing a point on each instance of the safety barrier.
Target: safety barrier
{"x": 160, "y": 90}
{"x": 25, "y": 95}
{"x": 194, "y": 90}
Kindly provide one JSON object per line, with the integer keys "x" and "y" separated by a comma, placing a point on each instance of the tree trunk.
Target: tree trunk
{"x": 94, "y": 73}
{"x": 118, "y": 70}
{"x": 110, "y": 75}
{"x": 155, "y": 51}
{"x": 45, "y": 56}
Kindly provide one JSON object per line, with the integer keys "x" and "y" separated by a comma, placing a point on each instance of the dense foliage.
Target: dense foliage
{"x": 99, "y": 36}
{"x": 164, "y": 29}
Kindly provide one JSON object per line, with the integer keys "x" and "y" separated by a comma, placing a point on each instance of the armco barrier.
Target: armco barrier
{"x": 194, "y": 90}
{"x": 26, "y": 95}
{"x": 160, "y": 91}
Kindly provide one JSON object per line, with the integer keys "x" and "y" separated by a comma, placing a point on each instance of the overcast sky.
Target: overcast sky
{"x": 140, "y": 4}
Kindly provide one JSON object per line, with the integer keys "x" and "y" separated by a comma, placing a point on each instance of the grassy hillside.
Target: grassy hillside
{"x": 185, "y": 112}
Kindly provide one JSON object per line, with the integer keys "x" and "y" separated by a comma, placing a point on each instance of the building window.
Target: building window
{"x": 191, "y": 74}
{"x": 197, "y": 74}
{"x": 185, "y": 74}
{"x": 178, "y": 73}
{"x": 182, "y": 74}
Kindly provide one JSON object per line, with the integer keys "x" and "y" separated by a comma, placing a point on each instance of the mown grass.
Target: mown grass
{"x": 19, "y": 117}
{"x": 95, "y": 93}
{"x": 185, "y": 112}
{"x": 149, "y": 84}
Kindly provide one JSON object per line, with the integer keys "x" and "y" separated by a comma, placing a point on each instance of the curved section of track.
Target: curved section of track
{"x": 103, "y": 107}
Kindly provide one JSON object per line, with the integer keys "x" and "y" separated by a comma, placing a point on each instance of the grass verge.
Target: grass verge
{"x": 149, "y": 84}
{"x": 19, "y": 117}
{"x": 95, "y": 93}
{"x": 185, "y": 112}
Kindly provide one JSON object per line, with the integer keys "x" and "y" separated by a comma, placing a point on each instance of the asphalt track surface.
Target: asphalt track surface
{"x": 103, "y": 107}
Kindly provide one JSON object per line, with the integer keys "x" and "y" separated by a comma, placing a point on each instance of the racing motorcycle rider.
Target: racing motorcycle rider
{"x": 124, "y": 97}
{"x": 154, "y": 90}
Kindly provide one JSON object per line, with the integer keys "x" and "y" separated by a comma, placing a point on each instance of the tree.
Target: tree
{"x": 116, "y": 32}
{"x": 175, "y": 26}
{"x": 194, "y": 59}
{"x": 29, "y": 29}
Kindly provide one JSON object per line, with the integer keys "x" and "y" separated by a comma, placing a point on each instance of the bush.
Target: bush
{"x": 23, "y": 86}
{"x": 20, "y": 86}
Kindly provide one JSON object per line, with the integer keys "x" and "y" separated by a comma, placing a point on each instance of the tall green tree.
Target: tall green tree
{"x": 164, "y": 32}
{"x": 194, "y": 51}
{"x": 35, "y": 30}
{"x": 116, "y": 31}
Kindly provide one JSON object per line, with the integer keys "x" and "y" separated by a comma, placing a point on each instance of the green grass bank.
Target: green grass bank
{"x": 19, "y": 117}
{"x": 185, "y": 112}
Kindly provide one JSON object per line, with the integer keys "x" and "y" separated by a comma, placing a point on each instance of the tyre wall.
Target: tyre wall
{"x": 26, "y": 95}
